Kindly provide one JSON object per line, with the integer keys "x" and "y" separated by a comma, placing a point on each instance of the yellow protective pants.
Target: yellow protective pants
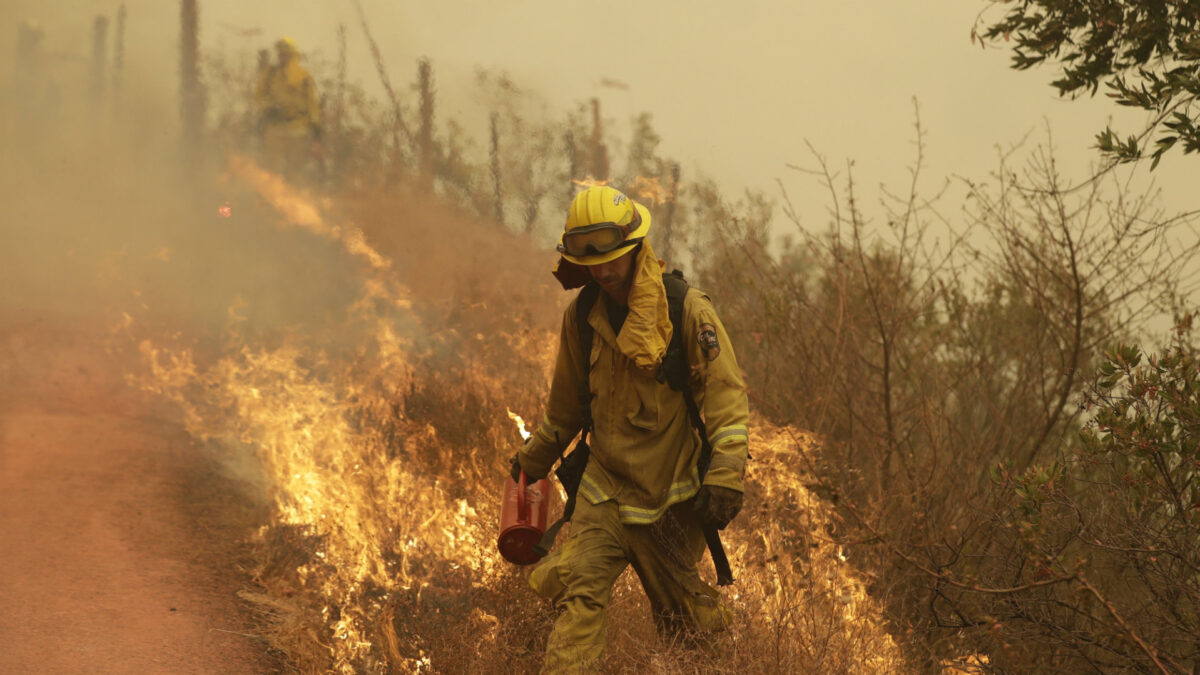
{"x": 287, "y": 148}
{"x": 579, "y": 576}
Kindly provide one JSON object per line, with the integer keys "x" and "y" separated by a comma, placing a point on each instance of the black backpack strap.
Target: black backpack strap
{"x": 570, "y": 469}
{"x": 676, "y": 372}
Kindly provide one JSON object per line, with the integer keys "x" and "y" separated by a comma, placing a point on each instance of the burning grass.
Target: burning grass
{"x": 383, "y": 466}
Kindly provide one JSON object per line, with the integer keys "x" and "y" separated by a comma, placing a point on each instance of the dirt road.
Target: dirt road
{"x": 120, "y": 540}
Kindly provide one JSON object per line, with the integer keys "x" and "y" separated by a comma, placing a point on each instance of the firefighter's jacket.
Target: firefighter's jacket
{"x": 286, "y": 95}
{"x": 644, "y": 448}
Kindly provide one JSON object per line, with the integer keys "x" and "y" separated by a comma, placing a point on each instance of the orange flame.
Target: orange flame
{"x": 648, "y": 189}
{"x": 300, "y": 210}
{"x": 520, "y": 425}
{"x": 589, "y": 182}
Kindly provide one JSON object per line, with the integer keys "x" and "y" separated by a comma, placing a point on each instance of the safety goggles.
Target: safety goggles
{"x": 599, "y": 238}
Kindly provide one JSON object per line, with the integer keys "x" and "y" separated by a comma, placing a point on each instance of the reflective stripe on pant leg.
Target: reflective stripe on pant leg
{"x": 580, "y": 579}
{"x": 665, "y": 556}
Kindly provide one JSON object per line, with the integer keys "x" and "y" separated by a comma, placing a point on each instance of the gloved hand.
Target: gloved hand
{"x": 515, "y": 465}
{"x": 717, "y": 505}
{"x": 515, "y": 471}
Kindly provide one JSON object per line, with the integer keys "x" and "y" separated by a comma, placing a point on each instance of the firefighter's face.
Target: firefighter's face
{"x": 615, "y": 276}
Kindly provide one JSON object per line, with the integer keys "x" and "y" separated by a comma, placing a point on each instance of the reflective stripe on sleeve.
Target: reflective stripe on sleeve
{"x": 684, "y": 489}
{"x": 723, "y": 461}
{"x": 739, "y": 431}
{"x": 550, "y": 433}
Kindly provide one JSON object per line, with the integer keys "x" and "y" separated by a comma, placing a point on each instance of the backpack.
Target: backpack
{"x": 673, "y": 371}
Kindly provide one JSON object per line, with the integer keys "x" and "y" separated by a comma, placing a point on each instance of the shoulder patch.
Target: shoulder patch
{"x": 709, "y": 344}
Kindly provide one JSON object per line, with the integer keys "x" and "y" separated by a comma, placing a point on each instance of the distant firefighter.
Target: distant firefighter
{"x": 289, "y": 116}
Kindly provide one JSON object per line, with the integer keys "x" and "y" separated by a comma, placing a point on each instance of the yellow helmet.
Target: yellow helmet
{"x": 602, "y": 224}
{"x": 286, "y": 44}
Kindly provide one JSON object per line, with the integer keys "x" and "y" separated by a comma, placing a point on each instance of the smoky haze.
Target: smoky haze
{"x": 104, "y": 216}
{"x": 736, "y": 91}
{"x": 105, "y": 219}
{"x": 98, "y": 205}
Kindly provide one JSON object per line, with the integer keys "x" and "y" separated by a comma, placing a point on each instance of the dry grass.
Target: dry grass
{"x": 384, "y": 465}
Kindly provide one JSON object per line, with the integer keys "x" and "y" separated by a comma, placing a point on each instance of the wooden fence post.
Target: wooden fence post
{"x": 497, "y": 194}
{"x": 99, "y": 57}
{"x": 425, "y": 132}
{"x": 669, "y": 217}
{"x": 599, "y": 152}
{"x": 339, "y": 102}
{"x": 191, "y": 92}
{"x": 573, "y": 163}
{"x": 118, "y": 53}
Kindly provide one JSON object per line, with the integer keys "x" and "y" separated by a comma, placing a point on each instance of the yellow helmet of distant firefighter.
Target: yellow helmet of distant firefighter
{"x": 286, "y": 45}
{"x": 602, "y": 225}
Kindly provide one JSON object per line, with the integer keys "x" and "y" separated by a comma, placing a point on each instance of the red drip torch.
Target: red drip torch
{"x": 523, "y": 517}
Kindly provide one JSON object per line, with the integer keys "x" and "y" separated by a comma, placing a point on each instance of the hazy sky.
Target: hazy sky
{"x": 735, "y": 88}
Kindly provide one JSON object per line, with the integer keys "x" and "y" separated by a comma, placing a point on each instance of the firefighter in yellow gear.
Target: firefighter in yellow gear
{"x": 289, "y": 115}
{"x": 641, "y": 500}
